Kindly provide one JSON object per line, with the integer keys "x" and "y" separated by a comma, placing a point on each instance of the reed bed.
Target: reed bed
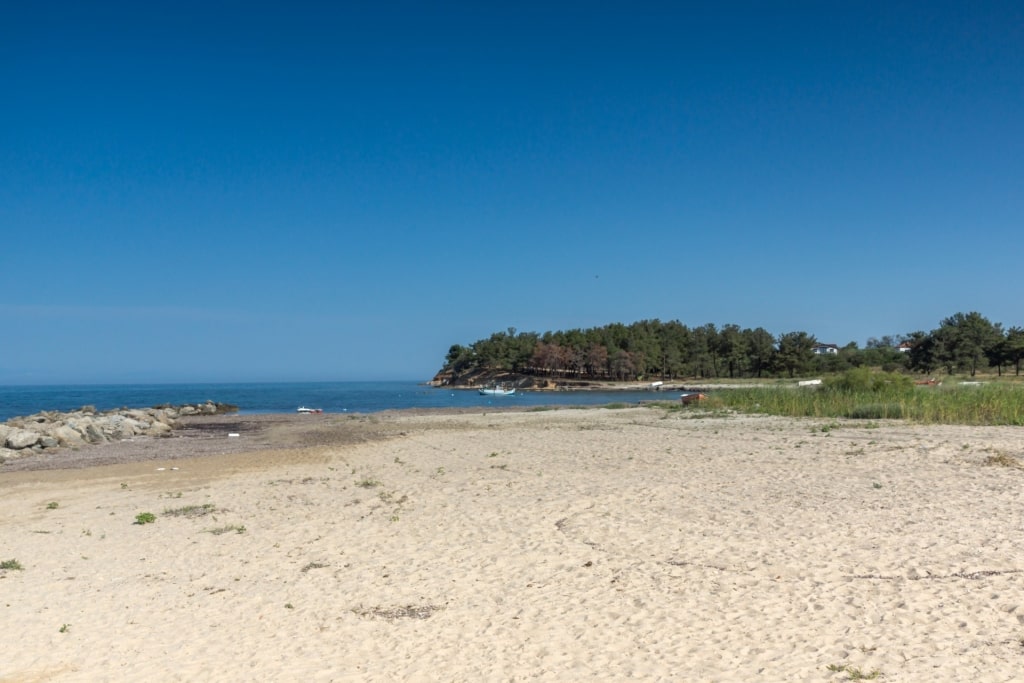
{"x": 990, "y": 404}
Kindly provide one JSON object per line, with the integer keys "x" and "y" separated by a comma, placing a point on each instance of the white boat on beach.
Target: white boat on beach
{"x": 304, "y": 409}
{"x": 497, "y": 391}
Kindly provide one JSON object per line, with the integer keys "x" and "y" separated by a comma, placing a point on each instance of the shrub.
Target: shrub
{"x": 145, "y": 518}
{"x": 864, "y": 380}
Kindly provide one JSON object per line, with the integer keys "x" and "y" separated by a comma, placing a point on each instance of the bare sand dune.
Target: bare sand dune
{"x": 567, "y": 545}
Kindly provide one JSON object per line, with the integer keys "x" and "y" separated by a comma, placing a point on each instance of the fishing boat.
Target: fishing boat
{"x": 497, "y": 391}
{"x": 304, "y": 409}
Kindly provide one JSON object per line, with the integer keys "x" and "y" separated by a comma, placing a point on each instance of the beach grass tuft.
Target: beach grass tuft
{"x": 190, "y": 511}
{"x": 1001, "y": 459}
{"x": 314, "y": 565}
{"x": 402, "y": 612}
{"x": 854, "y": 673}
{"x": 11, "y": 564}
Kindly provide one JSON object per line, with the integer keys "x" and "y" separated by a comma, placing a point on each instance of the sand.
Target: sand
{"x": 568, "y": 545}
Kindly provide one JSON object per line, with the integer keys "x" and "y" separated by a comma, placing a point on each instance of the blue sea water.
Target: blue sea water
{"x": 285, "y": 397}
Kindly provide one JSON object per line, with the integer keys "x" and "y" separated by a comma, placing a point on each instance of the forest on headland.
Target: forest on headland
{"x": 650, "y": 350}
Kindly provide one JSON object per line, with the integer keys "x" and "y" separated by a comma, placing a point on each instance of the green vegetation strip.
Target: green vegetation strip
{"x": 861, "y": 394}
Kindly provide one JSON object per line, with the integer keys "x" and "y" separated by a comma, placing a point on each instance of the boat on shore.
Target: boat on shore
{"x": 304, "y": 409}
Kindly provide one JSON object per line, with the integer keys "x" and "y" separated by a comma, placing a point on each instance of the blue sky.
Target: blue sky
{"x": 298, "y": 191}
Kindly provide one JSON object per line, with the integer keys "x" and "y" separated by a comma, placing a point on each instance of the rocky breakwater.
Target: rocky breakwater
{"x": 50, "y": 430}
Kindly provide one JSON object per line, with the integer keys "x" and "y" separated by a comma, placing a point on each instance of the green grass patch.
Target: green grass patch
{"x": 989, "y": 404}
{"x": 11, "y": 564}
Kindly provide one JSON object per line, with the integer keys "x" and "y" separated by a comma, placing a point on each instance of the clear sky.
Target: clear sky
{"x": 233, "y": 191}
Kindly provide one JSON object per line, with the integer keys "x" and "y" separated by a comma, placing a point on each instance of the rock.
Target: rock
{"x": 93, "y": 434}
{"x": 116, "y": 427}
{"x": 50, "y": 429}
{"x": 8, "y": 454}
{"x": 139, "y": 416}
{"x": 21, "y": 438}
{"x": 68, "y": 436}
{"x": 159, "y": 429}
{"x": 160, "y": 415}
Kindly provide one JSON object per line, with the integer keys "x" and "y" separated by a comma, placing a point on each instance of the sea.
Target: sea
{"x": 286, "y": 397}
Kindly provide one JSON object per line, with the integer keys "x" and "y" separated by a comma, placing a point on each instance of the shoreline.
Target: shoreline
{"x": 612, "y": 387}
{"x": 207, "y": 435}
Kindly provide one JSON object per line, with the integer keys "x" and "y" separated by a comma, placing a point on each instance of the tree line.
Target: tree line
{"x": 652, "y": 349}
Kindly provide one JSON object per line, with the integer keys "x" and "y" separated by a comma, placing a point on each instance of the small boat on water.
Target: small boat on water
{"x": 304, "y": 409}
{"x": 497, "y": 391}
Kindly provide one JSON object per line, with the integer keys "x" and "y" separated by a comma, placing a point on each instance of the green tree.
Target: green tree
{"x": 732, "y": 349}
{"x": 459, "y": 358}
{"x": 760, "y": 346}
{"x": 645, "y": 346}
{"x": 850, "y": 357}
{"x": 497, "y": 351}
{"x": 1013, "y": 347}
{"x": 521, "y": 348}
{"x": 882, "y": 353}
{"x": 962, "y": 342}
{"x": 702, "y": 353}
{"x": 967, "y": 339}
{"x": 674, "y": 342}
{"x": 927, "y": 353}
{"x": 795, "y": 352}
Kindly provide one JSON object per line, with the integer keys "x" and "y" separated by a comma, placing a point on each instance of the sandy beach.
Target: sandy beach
{"x": 559, "y": 545}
